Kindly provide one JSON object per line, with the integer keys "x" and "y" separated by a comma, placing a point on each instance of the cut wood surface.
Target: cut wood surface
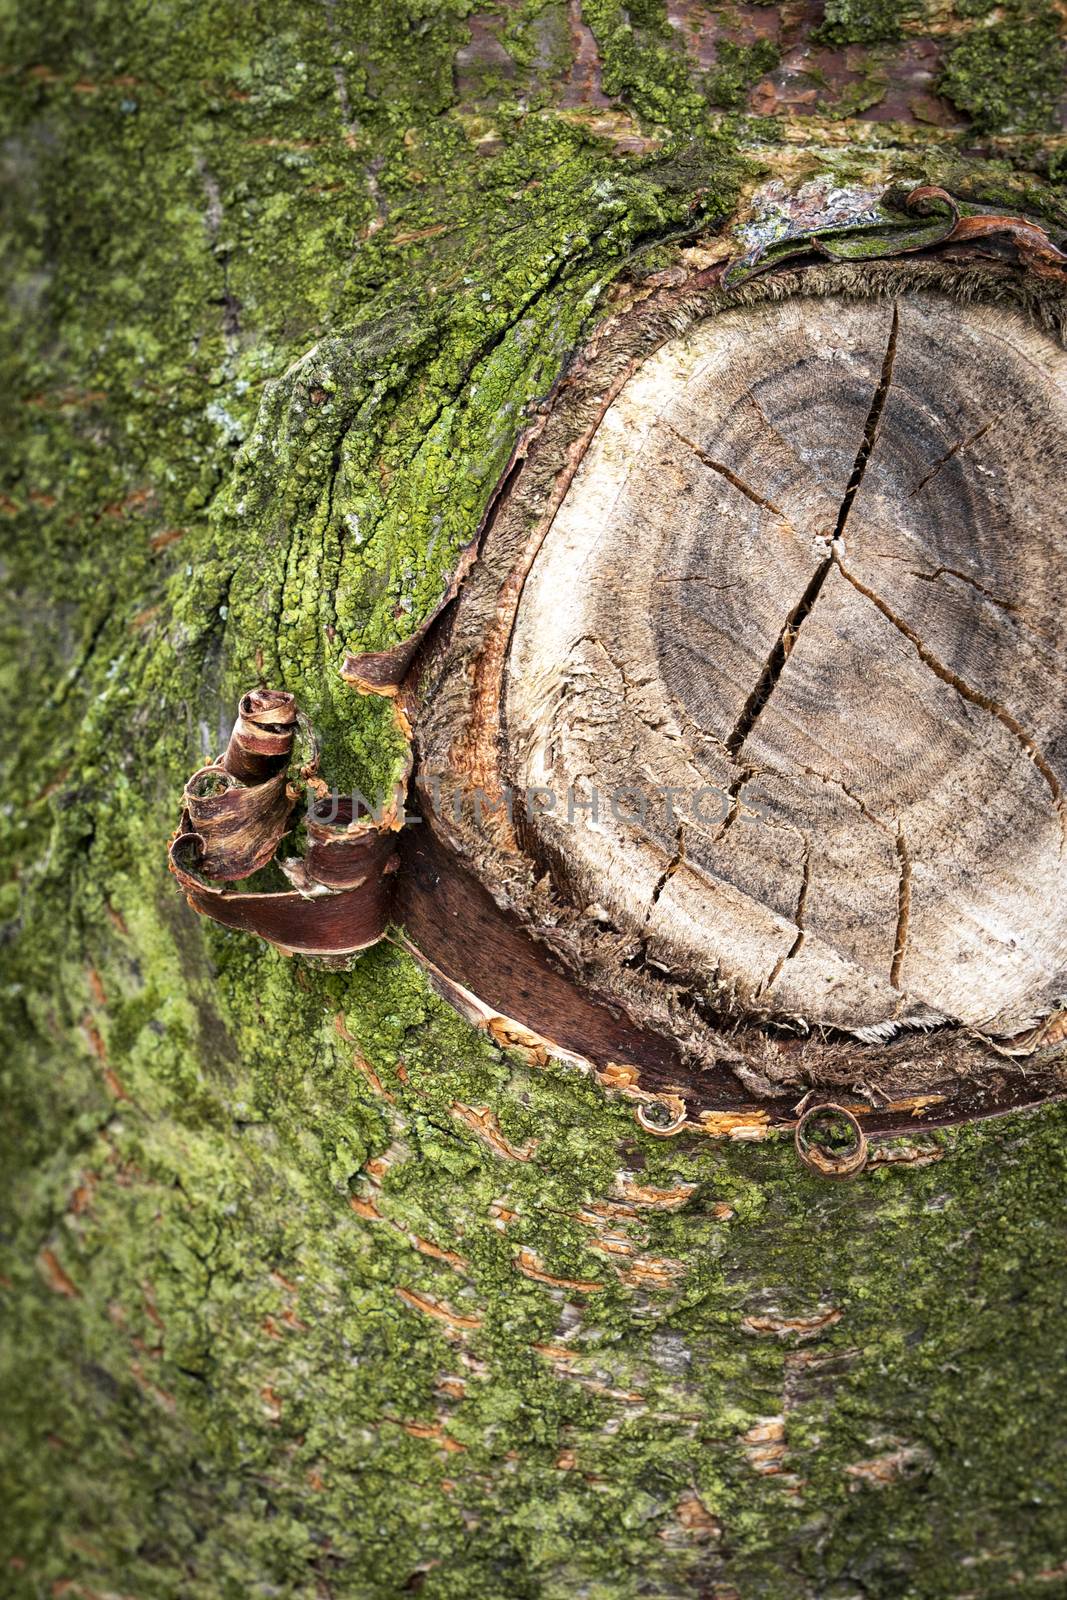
{"x": 807, "y": 578}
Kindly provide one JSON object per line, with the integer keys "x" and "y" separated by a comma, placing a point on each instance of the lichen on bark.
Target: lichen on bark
{"x": 276, "y": 1242}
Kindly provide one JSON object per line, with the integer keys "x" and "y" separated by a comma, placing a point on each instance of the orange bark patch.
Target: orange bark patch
{"x": 511, "y": 1035}
{"x": 95, "y": 1038}
{"x": 161, "y": 1396}
{"x": 765, "y": 1446}
{"x": 695, "y": 1519}
{"x": 597, "y": 1211}
{"x": 528, "y": 1264}
{"x": 359, "y": 1060}
{"x": 271, "y": 1402}
{"x": 612, "y": 1245}
{"x": 916, "y": 1103}
{"x": 430, "y": 1430}
{"x": 361, "y": 1064}
{"x": 880, "y": 1471}
{"x": 556, "y": 1352}
{"x": 437, "y": 1254}
{"x": 432, "y": 1307}
{"x": 617, "y": 1075}
{"x": 55, "y": 1277}
{"x": 483, "y": 1122}
{"x": 651, "y": 1272}
{"x": 805, "y": 1327}
{"x": 82, "y": 1197}
{"x": 643, "y": 1194}
{"x": 739, "y": 1125}
{"x": 160, "y": 541}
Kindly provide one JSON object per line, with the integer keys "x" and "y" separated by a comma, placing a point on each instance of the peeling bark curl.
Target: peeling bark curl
{"x": 236, "y": 813}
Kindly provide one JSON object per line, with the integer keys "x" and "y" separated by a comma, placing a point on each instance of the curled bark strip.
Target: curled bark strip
{"x": 238, "y": 826}
{"x": 262, "y": 738}
{"x": 236, "y": 813}
{"x": 904, "y": 231}
{"x": 319, "y": 923}
{"x": 823, "y": 1161}
{"x": 1029, "y": 238}
{"x": 343, "y": 849}
{"x": 239, "y": 806}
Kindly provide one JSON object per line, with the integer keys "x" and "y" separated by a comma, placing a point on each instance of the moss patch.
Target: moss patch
{"x": 864, "y": 21}
{"x": 276, "y": 1298}
{"x": 737, "y": 68}
{"x": 1008, "y": 77}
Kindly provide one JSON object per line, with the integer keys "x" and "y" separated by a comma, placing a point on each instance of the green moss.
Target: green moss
{"x": 1008, "y": 77}
{"x": 865, "y": 92}
{"x": 864, "y": 21}
{"x": 737, "y": 68}
{"x": 277, "y": 305}
{"x": 643, "y": 62}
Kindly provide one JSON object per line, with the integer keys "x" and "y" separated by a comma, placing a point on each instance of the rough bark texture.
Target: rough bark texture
{"x": 309, "y": 1289}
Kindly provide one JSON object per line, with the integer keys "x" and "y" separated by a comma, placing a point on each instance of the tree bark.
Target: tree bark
{"x": 310, "y": 1288}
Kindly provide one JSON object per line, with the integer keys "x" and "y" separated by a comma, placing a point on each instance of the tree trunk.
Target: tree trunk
{"x": 310, "y": 1287}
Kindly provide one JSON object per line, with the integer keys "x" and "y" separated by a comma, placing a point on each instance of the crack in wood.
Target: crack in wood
{"x": 958, "y": 573}
{"x": 668, "y": 872}
{"x": 961, "y": 444}
{"x": 967, "y": 692}
{"x": 695, "y": 577}
{"x": 774, "y": 666}
{"x": 732, "y": 478}
{"x": 850, "y": 794}
{"x": 733, "y": 794}
{"x": 870, "y": 431}
{"x": 954, "y": 572}
{"x": 900, "y": 943}
{"x": 798, "y": 918}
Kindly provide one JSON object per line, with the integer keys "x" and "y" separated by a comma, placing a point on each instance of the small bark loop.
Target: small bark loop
{"x": 663, "y": 1117}
{"x": 826, "y": 1118}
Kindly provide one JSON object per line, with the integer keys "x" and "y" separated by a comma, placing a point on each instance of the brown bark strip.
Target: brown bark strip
{"x": 236, "y": 813}
{"x": 238, "y": 807}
